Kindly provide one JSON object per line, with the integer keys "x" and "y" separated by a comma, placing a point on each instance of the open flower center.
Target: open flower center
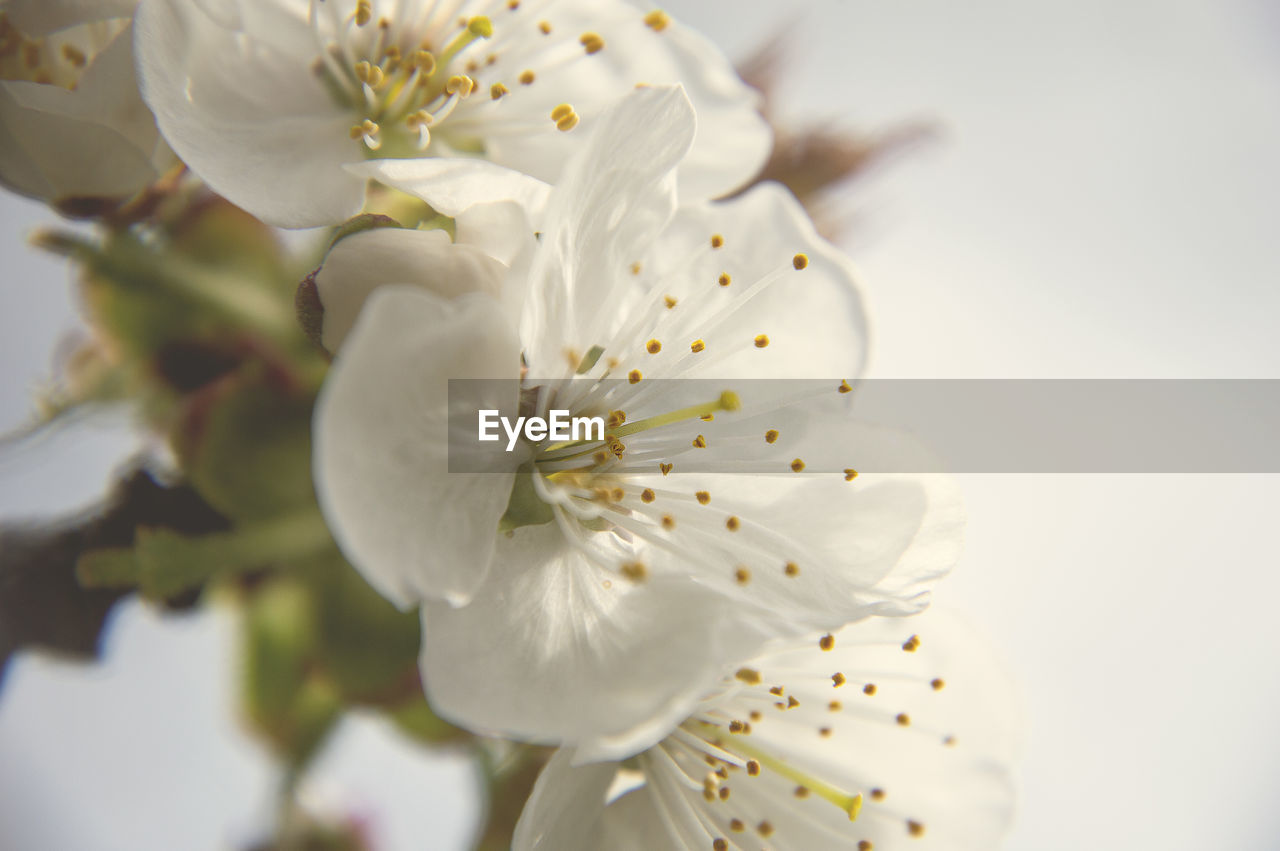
{"x": 59, "y": 59}
{"x": 402, "y": 76}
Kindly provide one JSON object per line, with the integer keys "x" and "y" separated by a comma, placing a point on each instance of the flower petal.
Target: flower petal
{"x": 363, "y": 262}
{"x": 38, "y": 18}
{"x": 239, "y": 107}
{"x": 553, "y": 649}
{"x": 922, "y": 736}
{"x": 451, "y": 185}
{"x": 732, "y": 140}
{"x": 97, "y": 141}
{"x": 615, "y": 194}
{"x": 414, "y": 530}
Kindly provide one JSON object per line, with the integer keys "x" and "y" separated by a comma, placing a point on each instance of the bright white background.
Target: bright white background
{"x": 1103, "y": 202}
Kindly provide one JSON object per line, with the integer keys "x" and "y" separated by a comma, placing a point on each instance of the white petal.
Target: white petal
{"x": 243, "y": 110}
{"x": 564, "y": 810}
{"x": 553, "y": 649}
{"x": 614, "y": 195}
{"x": 813, "y": 317}
{"x": 97, "y": 141}
{"x": 732, "y": 141}
{"x": 451, "y": 185}
{"x": 48, "y": 155}
{"x": 414, "y": 530}
{"x": 959, "y": 794}
{"x": 363, "y": 262}
{"x": 41, "y": 17}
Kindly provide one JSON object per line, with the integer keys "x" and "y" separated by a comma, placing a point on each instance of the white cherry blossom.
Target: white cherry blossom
{"x": 266, "y": 100}
{"x": 73, "y": 126}
{"x": 591, "y": 595}
{"x": 893, "y": 733}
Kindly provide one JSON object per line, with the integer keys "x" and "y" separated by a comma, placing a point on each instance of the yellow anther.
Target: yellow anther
{"x": 724, "y": 280}
{"x": 835, "y": 706}
{"x": 703, "y": 497}
{"x": 771, "y": 436}
{"x": 706, "y": 418}
{"x": 837, "y": 680}
{"x": 776, "y": 691}
{"x": 912, "y": 644}
{"x": 697, "y": 346}
{"x": 526, "y": 78}
{"x": 869, "y": 689}
{"x": 74, "y": 55}
{"x": 653, "y": 347}
{"x": 844, "y": 387}
{"x": 567, "y": 123}
{"x": 791, "y": 569}
{"x": 800, "y": 261}
{"x": 592, "y": 42}
{"x": 937, "y": 684}
{"x": 878, "y": 794}
{"x": 544, "y": 27}
{"x": 765, "y": 829}
{"x": 720, "y": 844}
{"x": 634, "y": 376}
{"x": 761, "y": 340}
{"x": 459, "y": 84}
{"x": 668, "y": 522}
{"x": 561, "y": 111}
{"x": 513, "y": 4}
{"x": 865, "y": 845}
{"x": 418, "y": 119}
{"x": 750, "y": 676}
{"x": 647, "y": 495}
{"x": 850, "y": 474}
{"x": 915, "y": 829}
{"x": 730, "y": 401}
{"x": 801, "y": 792}
{"x": 364, "y": 130}
{"x": 736, "y": 825}
{"x": 670, "y": 302}
{"x": 362, "y": 70}
{"x": 792, "y": 703}
{"x": 903, "y": 719}
{"x": 616, "y": 418}
{"x": 665, "y": 468}
{"x": 824, "y": 732}
{"x": 742, "y": 575}
{"x": 797, "y": 465}
{"x": 699, "y": 442}
{"x": 481, "y": 26}
{"x": 717, "y": 241}
{"x": 753, "y": 768}
{"x": 657, "y": 20}
{"x": 637, "y": 268}
{"x": 827, "y": 642}
{"x": 364, "y": 12}
{"x": 497, "y": 90}
{"x": 635, "y": 571}
{"x": 732, "y": 523}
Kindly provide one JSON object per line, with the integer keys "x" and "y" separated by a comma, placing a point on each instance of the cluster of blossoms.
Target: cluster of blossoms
{"x": 723, "y": 639}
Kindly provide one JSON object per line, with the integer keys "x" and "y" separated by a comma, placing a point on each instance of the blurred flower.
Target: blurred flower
{"x": 872, "y": 738}
{"x": 72, "y": 124}
{"x": 266, "y": 101}
{"x": 631, "y": 568}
